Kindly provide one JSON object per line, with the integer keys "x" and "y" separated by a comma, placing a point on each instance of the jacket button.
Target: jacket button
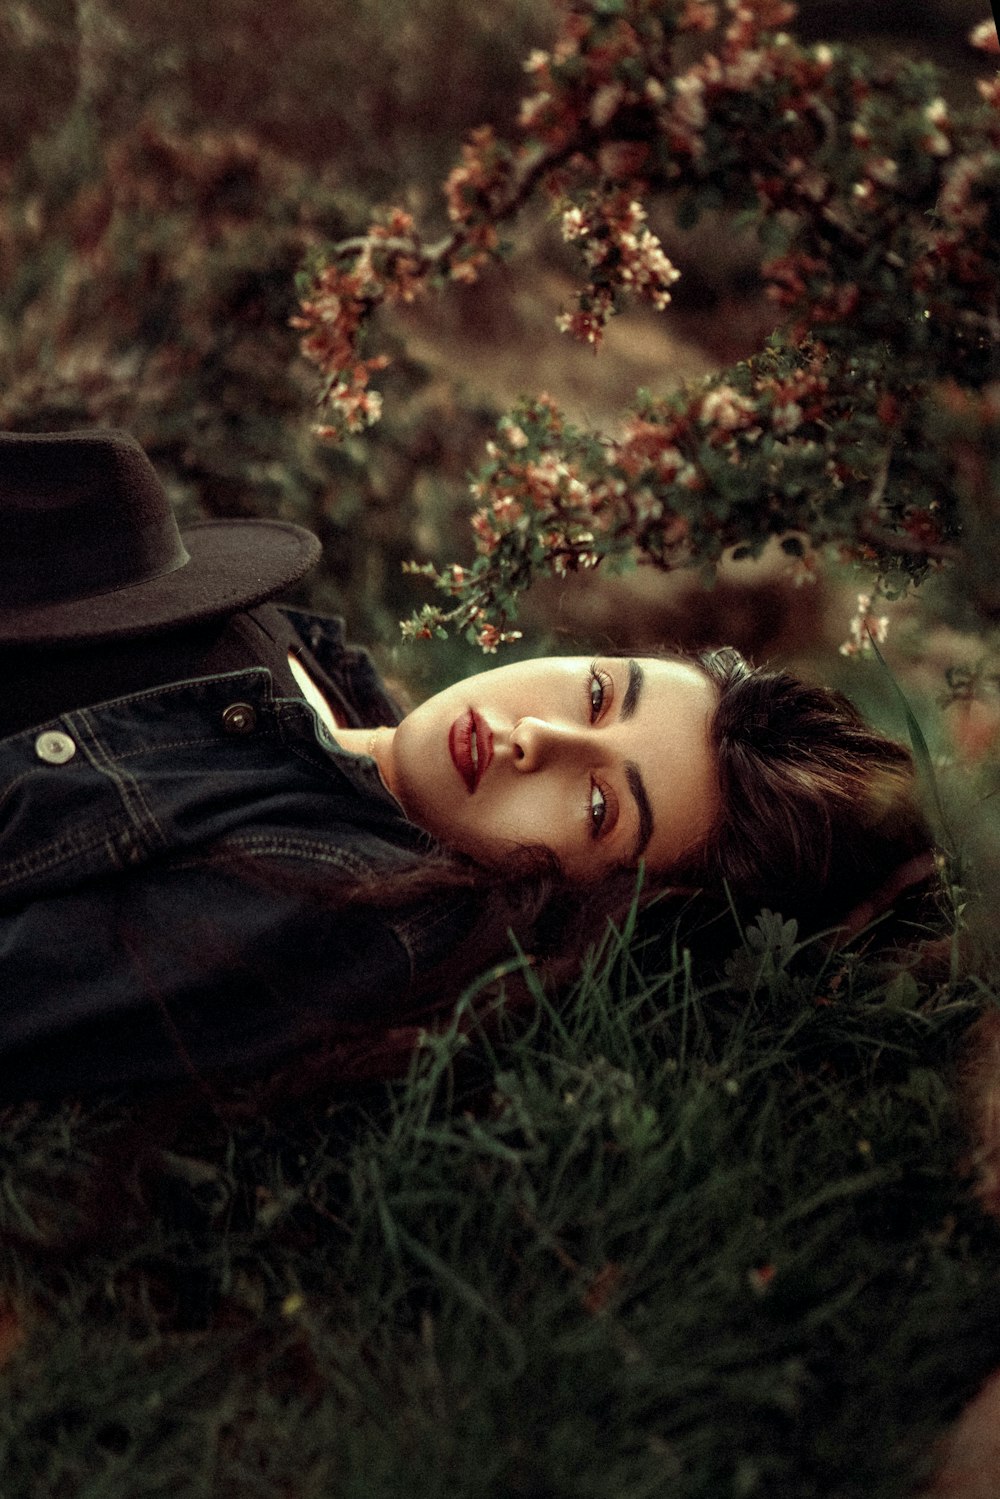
{"x": 54, "y": 747}
{"x": 239, "y": 718}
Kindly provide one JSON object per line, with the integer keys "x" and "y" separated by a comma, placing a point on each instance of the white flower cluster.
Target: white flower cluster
{"x": 724, "y": 407}
{"x": 864, "y": 628}
{"x": 645, "y": 266}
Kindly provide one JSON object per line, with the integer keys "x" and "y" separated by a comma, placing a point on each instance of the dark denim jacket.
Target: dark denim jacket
{"x": 150, "y": 924}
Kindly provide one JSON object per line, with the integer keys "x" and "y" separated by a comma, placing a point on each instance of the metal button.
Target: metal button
{"x": 54, "y": 747}
{"x": 239, "y": 718}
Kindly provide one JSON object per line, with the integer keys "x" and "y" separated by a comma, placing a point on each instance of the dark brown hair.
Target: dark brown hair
{"x": 819, "y": 815}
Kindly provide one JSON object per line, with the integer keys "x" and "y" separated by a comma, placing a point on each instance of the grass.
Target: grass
{"x": 666, "y": 1240}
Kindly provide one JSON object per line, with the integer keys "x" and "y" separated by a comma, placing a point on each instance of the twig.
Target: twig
{"x": 523, "y": 187}
{"x": 894, "y": 541}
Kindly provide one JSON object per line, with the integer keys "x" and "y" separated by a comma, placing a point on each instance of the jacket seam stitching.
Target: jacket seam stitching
{"x": 130, "y": 792}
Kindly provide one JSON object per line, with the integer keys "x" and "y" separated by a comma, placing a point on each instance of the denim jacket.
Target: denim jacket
{"x": 150, "y": 923}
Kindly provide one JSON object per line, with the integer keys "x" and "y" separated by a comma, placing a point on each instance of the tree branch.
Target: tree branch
{"x": 524, "y": 185}
{"x": 910, "y": 546}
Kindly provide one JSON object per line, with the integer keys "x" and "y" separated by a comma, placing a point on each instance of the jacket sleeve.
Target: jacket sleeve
{"x": 185, "y": 970}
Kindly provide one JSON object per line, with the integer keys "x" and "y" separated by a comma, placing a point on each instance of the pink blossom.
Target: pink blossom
{"x": 532, "y": 109}
{"x": 486, "y": 534}
{"x": 507, "y": 511}
{"x": 669, "y": 462}
{"x": 574, "y": 223}
{"x": 605, "y": 103}
{"x": 936, "y": 115}
{"x": 647, "y": 506}
{"x": 809, "y": 180}
{"x": 884, "y": 171}
{"x": 689, "y": 100}
{"x": 802, "y": 570}
{"x": 587, "y": 326}
{"x": 749, "y": 69}
{"x": 725, "y": 408}
{"x": 984, "y": 36}
{"x": 786, "y": 418}
{"x": 956, "y": 205}
{"x": 489, "y": 637}
{"x": 698, "y": 15}
{"x": 863, "y": 628}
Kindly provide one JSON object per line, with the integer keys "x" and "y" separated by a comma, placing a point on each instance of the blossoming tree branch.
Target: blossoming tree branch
{"x": 869, "y": 424}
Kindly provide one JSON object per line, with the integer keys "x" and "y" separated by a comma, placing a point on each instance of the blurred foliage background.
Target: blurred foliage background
{"x": 165, "y": 171}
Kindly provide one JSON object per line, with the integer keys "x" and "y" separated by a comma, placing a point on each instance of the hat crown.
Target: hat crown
{"x": 81, "y": 514}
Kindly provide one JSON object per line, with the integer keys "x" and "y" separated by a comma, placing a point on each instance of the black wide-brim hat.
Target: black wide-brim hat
{"x": 90, "y": 548}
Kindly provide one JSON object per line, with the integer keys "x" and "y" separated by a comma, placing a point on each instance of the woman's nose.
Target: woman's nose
{"x": 535, "y": 742}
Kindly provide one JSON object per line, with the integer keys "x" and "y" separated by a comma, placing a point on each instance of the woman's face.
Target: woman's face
{"x": 602, "y": 762}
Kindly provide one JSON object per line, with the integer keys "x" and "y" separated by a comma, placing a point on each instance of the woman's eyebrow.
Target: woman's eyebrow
{"x": 638, "y": 789}
{"x": 637, "y": 786}
{"x": 630, "y": 701}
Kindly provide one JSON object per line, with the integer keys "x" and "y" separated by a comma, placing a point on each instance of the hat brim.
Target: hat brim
{"x": 234, "y": 564}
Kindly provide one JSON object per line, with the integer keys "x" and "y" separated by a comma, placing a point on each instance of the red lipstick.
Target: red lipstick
{"x": 470, "y": 745}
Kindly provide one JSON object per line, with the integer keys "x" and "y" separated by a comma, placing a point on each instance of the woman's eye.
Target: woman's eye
{"x": 602, "y": 811}
{"x": 598, "y": 691}
{"x": 598, "y": 809}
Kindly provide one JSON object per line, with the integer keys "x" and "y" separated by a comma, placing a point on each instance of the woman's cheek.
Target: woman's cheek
{"x": 526, "y": 816}
{"x": 421, "y": 784}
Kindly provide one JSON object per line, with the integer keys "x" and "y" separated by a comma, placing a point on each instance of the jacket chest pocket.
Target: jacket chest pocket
{"x": 63, "y": 819}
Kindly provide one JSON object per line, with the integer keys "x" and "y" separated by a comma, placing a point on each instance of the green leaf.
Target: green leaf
{"x": 902, "y": 992}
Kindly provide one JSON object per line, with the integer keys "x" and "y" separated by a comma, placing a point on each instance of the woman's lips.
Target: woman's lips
{"x": 470, "y": 744}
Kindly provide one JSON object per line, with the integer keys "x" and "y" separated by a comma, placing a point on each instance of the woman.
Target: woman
{"x": 220, "y": 842}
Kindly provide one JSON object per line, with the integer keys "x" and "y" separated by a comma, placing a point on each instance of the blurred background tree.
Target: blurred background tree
{"x": 167, "y": 169}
